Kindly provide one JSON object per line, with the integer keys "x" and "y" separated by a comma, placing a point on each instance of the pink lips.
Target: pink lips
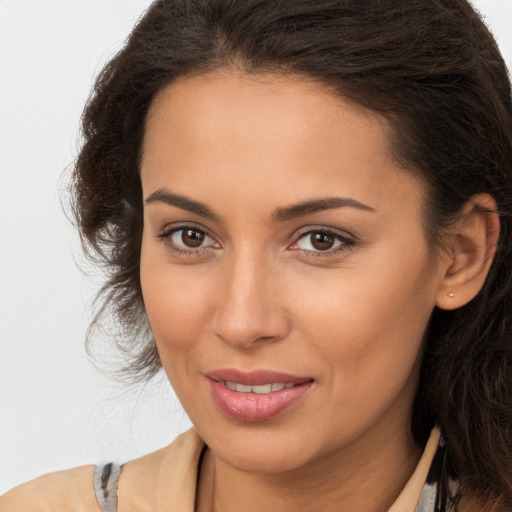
{"x": 250, "y": 406}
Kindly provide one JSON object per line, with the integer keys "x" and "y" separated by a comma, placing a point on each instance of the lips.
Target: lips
{"x": 257, "y": 395}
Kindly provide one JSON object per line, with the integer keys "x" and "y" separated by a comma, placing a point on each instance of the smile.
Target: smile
{"x": 257, "y": 395}
{"x": 260, "y": 390}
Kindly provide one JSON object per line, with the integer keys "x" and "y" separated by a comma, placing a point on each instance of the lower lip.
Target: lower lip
{"x": 254, "y": 406}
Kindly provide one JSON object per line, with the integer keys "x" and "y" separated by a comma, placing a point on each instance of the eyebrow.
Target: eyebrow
{"x": 316, "y": 205}
{"x": 279, "y": 215}
{"x": 163, "y": 196}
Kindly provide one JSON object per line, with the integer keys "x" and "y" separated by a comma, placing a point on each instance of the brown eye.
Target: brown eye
{"x": 189, "y": 239}
{"x": 322, "y": 241}
{"x": 192, "y": 237}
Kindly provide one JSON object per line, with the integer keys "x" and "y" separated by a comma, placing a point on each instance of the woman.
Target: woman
{"x": 305, "y": 211}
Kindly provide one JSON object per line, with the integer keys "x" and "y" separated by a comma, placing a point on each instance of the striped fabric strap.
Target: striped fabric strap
{"x": 433, "y": 498}
{"x": 105, "y": 486}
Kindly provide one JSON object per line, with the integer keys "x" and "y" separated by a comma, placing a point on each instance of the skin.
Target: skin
{"x": 256, "y": 294}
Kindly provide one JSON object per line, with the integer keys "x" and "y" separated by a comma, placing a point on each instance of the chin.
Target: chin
{"x": 260, "y": 449}
{"x": 263, "y": 461}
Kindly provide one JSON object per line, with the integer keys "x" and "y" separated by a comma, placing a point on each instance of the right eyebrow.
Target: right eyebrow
{"x": 317, "y": 205}
{"x": 164, "y": 196}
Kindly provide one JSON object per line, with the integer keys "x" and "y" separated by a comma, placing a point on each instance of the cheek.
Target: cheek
{"x": 177, "y": 320}
{"x": 174, "y": 302}
{"x": 368, "y": 324}
{"x": 367, "y": 336}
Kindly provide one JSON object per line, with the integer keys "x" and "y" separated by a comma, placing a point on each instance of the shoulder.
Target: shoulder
{"x": 165, "y": 476}
{"x": 183, "y": 451}
{"x": 67, "y": 490}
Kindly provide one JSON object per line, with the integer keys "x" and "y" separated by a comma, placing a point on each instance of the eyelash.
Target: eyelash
{"x": 190, "y": 252}
{"x": 346, "y": 243}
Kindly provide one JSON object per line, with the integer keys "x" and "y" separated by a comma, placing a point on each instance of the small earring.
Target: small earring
{"x": 451, "y": 294}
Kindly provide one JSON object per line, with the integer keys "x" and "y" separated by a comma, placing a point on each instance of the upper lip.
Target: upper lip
{"x": 255, "y": 377}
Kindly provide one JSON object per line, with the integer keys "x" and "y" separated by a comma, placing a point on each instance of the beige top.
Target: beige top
{"x": 163, "y": 480}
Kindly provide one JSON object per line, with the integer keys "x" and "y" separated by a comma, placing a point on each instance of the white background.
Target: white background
{"x": 56, "y": 411}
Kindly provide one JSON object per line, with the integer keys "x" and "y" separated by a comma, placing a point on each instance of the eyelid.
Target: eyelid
{"x": 176, "y": 226}
{"x": 347, "y": 240}
{"x": 165, "y": 235}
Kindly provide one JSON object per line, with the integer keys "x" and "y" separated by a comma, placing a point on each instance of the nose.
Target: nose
{"x": 250, "y": 307}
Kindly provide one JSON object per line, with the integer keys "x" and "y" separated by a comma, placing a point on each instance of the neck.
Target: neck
{"x": 366, "y": 475}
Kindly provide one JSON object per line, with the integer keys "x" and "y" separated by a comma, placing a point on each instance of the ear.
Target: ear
{"x": 471, "y": 251}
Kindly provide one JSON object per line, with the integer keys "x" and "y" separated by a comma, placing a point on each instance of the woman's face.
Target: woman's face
{"x": 285, "y": 271}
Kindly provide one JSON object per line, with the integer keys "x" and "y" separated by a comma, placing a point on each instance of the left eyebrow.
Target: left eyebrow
{"x": 316, "y": 205}
{"x": 164, "y": 196}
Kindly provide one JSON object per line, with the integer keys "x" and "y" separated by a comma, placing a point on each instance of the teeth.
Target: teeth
{"x": 242, "y": 388}
{"x": 260, "y": 389}
{"x": 265, "y": 388}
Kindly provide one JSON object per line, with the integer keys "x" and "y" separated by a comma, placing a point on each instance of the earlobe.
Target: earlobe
{"x": 472, "y": 249}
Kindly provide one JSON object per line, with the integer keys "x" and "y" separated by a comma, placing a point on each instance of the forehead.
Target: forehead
{"x": 266, "y": 105}
{"x": 289, "y": 133}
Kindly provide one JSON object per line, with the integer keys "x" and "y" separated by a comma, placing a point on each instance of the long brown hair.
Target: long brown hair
{"x": 433, "y": 70}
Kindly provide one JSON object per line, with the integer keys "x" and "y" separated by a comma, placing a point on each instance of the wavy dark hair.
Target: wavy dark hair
{"x": 433, "y": 70}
